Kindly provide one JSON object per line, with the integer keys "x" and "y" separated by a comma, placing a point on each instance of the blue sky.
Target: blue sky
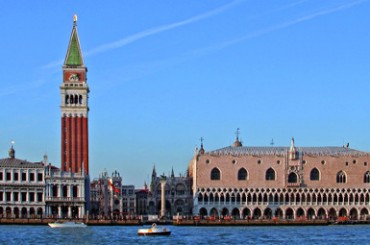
{"x": 163, "y": 74}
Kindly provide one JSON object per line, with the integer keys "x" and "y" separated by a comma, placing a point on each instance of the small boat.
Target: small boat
{"x": 154, "y": 231}
{"x": 67, "y": 224}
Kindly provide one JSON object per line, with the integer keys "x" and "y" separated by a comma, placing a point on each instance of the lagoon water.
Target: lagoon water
{"x": 351, "y": 234}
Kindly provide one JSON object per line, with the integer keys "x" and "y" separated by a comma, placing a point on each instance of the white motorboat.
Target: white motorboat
{"x": 67, "y": 224}
{"x": 154, "y": 231}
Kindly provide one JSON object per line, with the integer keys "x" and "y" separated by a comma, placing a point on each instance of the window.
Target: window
{"x": 39, "y": 177}
{"x": 341, "y": 177}
{"x": 32, "y": 176}
{"x": 24, "y": 196}
{"x": 315, "y": 174}
{"x": 55, "y": 190}
{"x": 292, "y": 178}
{"x": 215, "y": 174}
{"x": 1, "y": 196}
{"x": 39, "y": 197}
{"x": 75, "y": 191}
{"x": 65, "y": 191}
{"x": 15, "y": 176}
{"x": 367, "y": 177}
{"x": 8, "y": 176}
{"x": 8, "y": 194}
{"x": 242, "y": 174}
{"x": 270, "y": 174}
{"x": 1, "y": 175}
{"x": 32, "y": 196}
{"x": 24, "y": 176}
{"x": 15, "y": 196}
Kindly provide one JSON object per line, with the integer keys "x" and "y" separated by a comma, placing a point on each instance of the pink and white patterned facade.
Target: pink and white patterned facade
{"x": 281, "y": 182}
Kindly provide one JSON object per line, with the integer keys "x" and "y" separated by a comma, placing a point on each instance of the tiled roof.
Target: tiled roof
{"x": 14, "y": 162}
{"x": 261, "y": 151}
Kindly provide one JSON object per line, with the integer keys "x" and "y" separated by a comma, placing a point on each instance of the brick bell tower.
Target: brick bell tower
{"x": 74, "y": 108}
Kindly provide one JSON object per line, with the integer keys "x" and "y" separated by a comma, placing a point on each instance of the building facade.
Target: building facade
{"x": 141, "y": 197}
{"x": 65, "y": 193}
{"x": 106, "y": 193}
{"x": 22, "y": 186}
{"x": 281, "y": 182}
{"x": 128, "y": 200}
{"x": 178, "y": 195}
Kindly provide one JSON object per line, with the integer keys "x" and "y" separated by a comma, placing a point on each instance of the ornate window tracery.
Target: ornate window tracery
{"x": 341, "y": 177}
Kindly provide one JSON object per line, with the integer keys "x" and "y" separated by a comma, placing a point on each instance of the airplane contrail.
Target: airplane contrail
{"x": 149, "y": 32}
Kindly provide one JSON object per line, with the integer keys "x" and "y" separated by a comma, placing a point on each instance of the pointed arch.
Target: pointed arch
{"x": 270, "y": 174}
{"x": 235, "y": 213}
{"x": 315, "y": 174}
{"x": 267, "y": 213}
{"x": 311, "y": 213}
{"x": 203, "y": 212}
{"x": 242, "y": 174}
{"x": 289, "y": 213}
{"x": 367, "y": 177}
{"x": 292, "y": 178}
{"x": 300, "y": 212}
{"x": 341, "y": 177}
{"x": 215, "y": 174}
{"x": 246, "y": 213}
{"x": 321, "y": 213}
{"x": 200, "y": 197}
{"x": 257, "y": 213}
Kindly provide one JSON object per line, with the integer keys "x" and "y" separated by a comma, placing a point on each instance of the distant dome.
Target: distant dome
{"x": 237, "y": 143}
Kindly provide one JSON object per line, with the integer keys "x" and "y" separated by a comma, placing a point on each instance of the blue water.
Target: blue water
{"x": 356, "y": 234}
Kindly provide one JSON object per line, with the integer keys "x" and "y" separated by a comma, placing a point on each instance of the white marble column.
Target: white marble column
{"x": 163, "y": 200}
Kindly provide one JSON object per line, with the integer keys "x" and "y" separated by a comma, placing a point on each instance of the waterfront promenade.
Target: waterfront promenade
{"x": 189, "y": 222}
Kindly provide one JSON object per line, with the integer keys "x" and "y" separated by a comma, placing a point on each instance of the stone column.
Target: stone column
{"x": 163, "y": 200}
{"x": 60, "y": 190}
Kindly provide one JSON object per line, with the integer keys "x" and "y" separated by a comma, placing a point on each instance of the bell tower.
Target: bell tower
{"x": 74, "y": 93}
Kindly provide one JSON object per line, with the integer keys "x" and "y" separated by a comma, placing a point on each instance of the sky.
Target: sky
{"x": 162, "y": 74}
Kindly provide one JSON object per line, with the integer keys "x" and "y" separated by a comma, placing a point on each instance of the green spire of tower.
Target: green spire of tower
{"x": 74, "y": 54}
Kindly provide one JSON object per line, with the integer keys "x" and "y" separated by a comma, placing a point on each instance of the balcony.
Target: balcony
{"x": 65, "y": 199}
{"x": 293, "y": 184}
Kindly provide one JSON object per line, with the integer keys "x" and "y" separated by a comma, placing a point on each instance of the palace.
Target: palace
{"x": 281, "y": 182}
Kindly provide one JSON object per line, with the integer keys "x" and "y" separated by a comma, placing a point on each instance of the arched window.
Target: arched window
{"x": 315, "y": 174}
{"x": 80, "y": 99}
{"x": 341, "y": 177}
{"x": 367, "y": 177}
{"x": 67, "y": 99}
{"x": 215, "y": 174}
{"x": 270, "y": 174}
{"x": 242, "y": 174}
{"x": 292, "y": 178}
